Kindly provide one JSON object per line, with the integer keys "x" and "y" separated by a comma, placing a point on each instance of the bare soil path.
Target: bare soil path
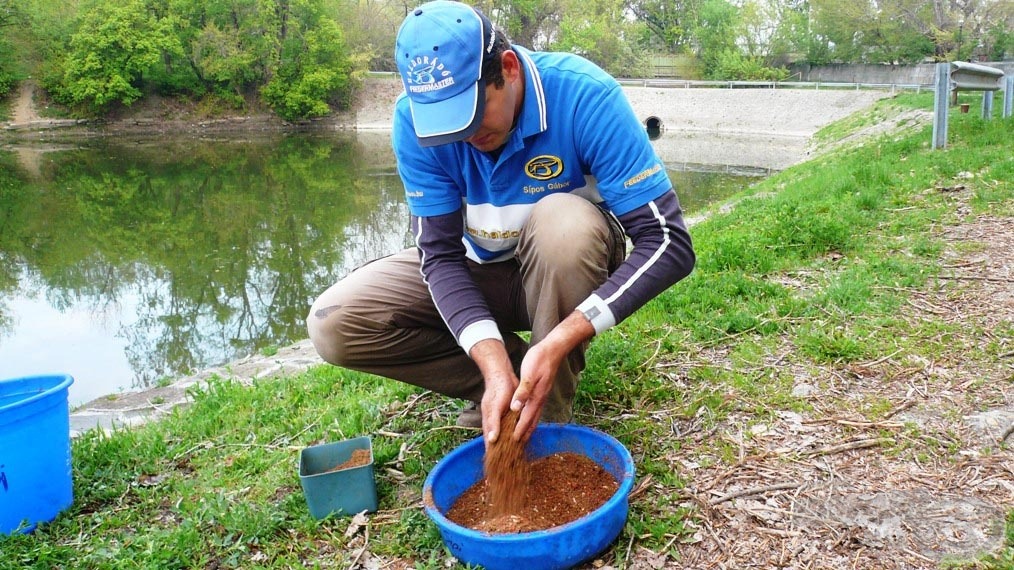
{"x": 24, "y": 104}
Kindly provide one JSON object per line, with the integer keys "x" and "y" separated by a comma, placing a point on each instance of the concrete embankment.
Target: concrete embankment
{"x": 764, "y": 128}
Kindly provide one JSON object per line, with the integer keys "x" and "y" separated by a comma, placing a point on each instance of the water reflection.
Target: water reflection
{"x": 126, "y": 262}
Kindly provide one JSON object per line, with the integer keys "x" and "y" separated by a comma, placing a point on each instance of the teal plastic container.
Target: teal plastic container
{"x": 342, "y": 492}
{"x": 35, "y": 469}
{"x": 557, "y": 548}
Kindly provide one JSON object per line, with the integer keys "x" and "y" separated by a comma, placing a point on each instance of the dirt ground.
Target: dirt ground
{"x": 819, "y": 491}
{"x": 24, "y": 109}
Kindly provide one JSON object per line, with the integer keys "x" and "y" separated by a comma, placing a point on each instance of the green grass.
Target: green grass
{"x": 814, "y": 266}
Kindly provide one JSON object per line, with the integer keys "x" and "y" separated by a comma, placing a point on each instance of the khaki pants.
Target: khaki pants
{"x": 382, "y": 320}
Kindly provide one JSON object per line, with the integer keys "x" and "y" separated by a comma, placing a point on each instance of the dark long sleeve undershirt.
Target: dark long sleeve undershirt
{"x": 662, "y": 254}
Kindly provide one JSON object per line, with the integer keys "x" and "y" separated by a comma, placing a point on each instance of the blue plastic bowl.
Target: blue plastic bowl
{"x": 563, "y": 546}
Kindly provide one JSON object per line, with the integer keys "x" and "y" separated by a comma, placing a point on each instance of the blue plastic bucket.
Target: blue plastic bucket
{"x": 35, "y": 476}
{"x": 560, "y": 547}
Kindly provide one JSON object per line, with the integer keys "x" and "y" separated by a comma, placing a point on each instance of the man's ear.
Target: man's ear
{"x": 511, "y": 65}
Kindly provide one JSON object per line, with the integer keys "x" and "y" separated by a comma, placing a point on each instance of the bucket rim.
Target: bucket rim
{"x": 64, "y": 381}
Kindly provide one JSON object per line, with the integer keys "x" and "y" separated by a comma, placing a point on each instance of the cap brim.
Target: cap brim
{"x": 451, "y": 120}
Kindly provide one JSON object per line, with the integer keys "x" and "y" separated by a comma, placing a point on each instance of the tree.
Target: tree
{"x": 9, "y": 16}
{"x": 671, "y": 23}
{"x": 901, "y": 31}
{"x": 599, "y": 31}
{"x": 316, "y": 69}
{"x": 837, "y": 30}
{"x": 371, "y": 26}
{"x": 716, "y": 34}
{"x": 790, "y": 36}
{"x": 530, "y": 23}
{"x": 115, "y": 43}
{"x": 999, "y": 42}
{"x": 230, "y": 46}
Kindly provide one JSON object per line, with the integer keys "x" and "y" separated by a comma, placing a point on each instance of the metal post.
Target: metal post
{"x": 943, "y": 83}
{"x": 1008, "y": 97}
{"x": 987, "y": 105}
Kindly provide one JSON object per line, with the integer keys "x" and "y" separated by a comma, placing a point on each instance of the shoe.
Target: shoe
{"x": 470, "y": 417}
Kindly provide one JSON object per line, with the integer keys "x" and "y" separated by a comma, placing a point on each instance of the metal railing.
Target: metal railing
{"x": 962, "y": 76}
{"x": 816, "y": 85}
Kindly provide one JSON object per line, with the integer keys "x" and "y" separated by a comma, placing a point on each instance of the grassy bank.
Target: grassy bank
{"x": 805, "y": 304}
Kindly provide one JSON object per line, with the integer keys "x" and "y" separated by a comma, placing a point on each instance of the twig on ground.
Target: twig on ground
{"x": 911, "y": 552}
{"x": 630, "y": 544}
{"x": 366, "y": 543}
{"x": 870, "y": 425}
{"x": 778, "y": 532}
{"x": 883, "y": 359}
{"x": 849, "y": 446}
{"x": 901, "y": 408}
{"x": 855, "y": 423}
{"x": 454, "y": 427}
{"x": 753, "y": 491}
{"x": 408, "y": 406}
{"x": 641, "y": 487}
{"x": 1007, "y": 433}
{"x": 976, "y": 278}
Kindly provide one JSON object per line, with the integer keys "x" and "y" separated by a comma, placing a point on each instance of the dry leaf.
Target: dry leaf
{"x": 359, "y": 521}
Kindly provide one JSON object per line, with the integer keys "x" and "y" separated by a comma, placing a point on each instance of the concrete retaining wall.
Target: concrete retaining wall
{"x": 919, "y": 74}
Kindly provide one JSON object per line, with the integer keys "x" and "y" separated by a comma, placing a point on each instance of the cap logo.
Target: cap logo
{"x": 427, "y": 74}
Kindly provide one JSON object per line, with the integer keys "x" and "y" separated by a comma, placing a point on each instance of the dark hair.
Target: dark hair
{"x": 492, "y": 70}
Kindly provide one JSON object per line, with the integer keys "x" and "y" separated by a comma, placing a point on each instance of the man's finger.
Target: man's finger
{"x": 526, "y": 423}
{"x": 490, "y": 425}
{"x": 521, "y": 395}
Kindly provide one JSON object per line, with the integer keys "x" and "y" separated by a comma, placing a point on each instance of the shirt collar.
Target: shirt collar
{"x": 534, "y": 116}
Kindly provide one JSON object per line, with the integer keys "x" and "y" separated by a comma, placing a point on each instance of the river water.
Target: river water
{"x": 127, "y": 263}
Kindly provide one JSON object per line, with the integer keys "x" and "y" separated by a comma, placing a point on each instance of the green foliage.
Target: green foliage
{"x": 526, "y": 21}
{"x": 8, "y": 75}
{"x": 316, "y": 72}
{"x": 892, "y": 32}
{"x": 671, "y": 24}
{"x": 716, "y": 33}
{"x": 115, "y": 43}
{"x": 599, "y": 32}
{"x": 103, "y": 53}
{"x": 999, "y": 41}
{"x": 10, "y": 15}
{"x": 733, "y": 65}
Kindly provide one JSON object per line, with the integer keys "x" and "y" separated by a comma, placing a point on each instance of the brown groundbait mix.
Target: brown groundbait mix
{"x": 521, "y": 496}
{"x": 359, "y": 458}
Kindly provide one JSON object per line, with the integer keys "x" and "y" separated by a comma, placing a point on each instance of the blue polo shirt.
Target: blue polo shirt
{"x": 567, "y": 139}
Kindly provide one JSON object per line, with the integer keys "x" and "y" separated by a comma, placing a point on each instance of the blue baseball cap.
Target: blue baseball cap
{"x": 441, "y": 49}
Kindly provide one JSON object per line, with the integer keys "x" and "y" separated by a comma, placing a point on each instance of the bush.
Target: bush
{"x": 8, "y": 74}
{"x": 732, "y": 65}
{"x": 317, "y": 72}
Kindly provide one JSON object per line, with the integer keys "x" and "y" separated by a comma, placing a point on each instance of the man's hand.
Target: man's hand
{"x": 495, "y": 364}
{"x": 538, "y": 370}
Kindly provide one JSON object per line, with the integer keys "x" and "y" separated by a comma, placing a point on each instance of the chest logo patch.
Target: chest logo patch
{"x": 544, "y": 167}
